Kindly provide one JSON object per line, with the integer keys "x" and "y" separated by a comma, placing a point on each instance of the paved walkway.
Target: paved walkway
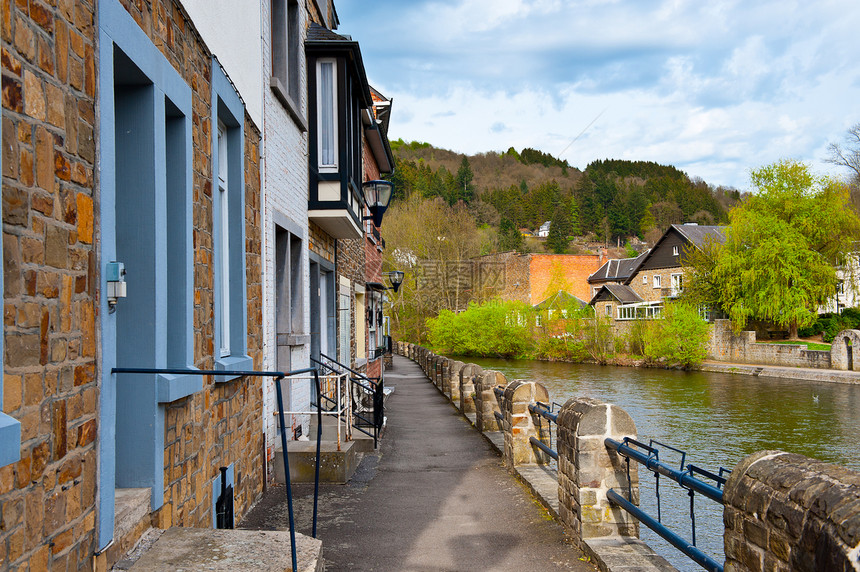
{"x": 434, "y": 496}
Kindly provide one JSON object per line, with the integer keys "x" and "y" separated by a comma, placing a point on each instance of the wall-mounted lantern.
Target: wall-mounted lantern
{"x": 396, "y": 278}
{"x": 377, "y": 195}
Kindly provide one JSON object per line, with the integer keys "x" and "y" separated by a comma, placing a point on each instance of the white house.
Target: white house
{"x": 543, "y": 231}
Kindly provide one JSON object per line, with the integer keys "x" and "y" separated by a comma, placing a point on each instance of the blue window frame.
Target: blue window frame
{"x": 228, "y": 223}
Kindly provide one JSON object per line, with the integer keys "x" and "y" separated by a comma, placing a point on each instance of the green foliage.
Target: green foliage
{"x": 613, "y": 199}
{"x": 509, "y": 237}
{"x": 830, "y": 324}
{"x": 680, "y": 337}
{"x": 559, "y": 230}
{"x": 783, "y": 246}
{"x": 488, "y": 329}
{"x": 531, "y": 156}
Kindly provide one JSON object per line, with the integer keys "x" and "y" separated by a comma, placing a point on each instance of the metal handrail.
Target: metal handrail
{"x": 648, "y": 456}
{"x": 347, "y": 368}
{"x": 540, "y": 408}
{"x": 672, "y": 538}
{"x": 683, "y": 478}
{"x": 376, "y": 388}
{"x": 278, "y": 375}
{"x": 544, "y": 447}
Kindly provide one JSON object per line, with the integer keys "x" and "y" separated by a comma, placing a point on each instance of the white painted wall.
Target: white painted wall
{"x": 232, "y": 30}
{"x": 284, "y": 172}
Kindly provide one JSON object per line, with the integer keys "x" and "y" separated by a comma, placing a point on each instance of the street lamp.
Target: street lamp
{"x": 396, "y": 278}
{"x": 377, "y": 194}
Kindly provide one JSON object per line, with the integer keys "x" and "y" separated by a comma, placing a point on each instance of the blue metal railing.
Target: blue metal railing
{"x": 545, "y": 411}
{"x": 278, "y": 375}
{"x": 687, "y": 477}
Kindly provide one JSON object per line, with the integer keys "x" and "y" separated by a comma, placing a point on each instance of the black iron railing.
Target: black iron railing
{"x": 688, "y": 476}
{"x": 368, "y": 409}
{"x": 278, "y": 376}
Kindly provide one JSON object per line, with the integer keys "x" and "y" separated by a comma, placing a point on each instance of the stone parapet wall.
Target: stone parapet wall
{"x": 519, "y": 424}
{"x": 467, "y": 387}
{"x": 486, "y": 402}
{"x": 727, "y": 346}
{"x": 587, "y": 469}
{"x": 784, "y": 511}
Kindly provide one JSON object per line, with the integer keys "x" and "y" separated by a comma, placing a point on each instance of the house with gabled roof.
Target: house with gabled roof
{"x": 660, "y": 273}
{"x": 632, "y": 288}
{"x": 615, "y": 271}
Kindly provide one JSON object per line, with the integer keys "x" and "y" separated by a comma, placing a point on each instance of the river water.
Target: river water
{"x": 717, "y": 419}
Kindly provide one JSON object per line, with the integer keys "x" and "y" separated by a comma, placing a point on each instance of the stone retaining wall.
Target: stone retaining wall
{"x": 782, "y": 511}
{"x": 727, "y": 346}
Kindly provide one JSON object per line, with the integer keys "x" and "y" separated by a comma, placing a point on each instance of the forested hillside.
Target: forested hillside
{"x": 612, "y": 200}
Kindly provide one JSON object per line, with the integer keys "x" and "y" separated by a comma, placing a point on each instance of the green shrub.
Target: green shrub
{"x": 680, "y": 337}
{"x": 490, "y": 329}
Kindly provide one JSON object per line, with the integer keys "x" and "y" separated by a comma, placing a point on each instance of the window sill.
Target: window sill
{"x": 232, "y": 363}
{"x": 173, "y": 387}
{"x": 292, "y": 107}
{"x": 10, "y": 440}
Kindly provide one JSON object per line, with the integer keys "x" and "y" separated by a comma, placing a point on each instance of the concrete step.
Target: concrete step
{"x": 213, "y": 550}
{"x": 363, "y": 443}
{"x": 336, "y": 466}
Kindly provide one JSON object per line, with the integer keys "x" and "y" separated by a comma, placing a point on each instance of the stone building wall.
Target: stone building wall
{"x": 643, "y": 283}
{"x": 50, "y": 283}
{"x": 220, "y": 425}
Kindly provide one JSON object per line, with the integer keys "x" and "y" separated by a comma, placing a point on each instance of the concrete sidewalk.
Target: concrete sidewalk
{"x": 434, "y": 496}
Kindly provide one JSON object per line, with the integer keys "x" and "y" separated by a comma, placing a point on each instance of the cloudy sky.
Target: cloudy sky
{"x": 713, "y": 87}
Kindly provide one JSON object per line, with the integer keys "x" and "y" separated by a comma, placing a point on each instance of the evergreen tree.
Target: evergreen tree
{"x": 465, "y": 188}
{"x": 559, "y": 229}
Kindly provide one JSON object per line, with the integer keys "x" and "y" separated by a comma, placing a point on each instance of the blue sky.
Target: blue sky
{"x": 713, "y": 87}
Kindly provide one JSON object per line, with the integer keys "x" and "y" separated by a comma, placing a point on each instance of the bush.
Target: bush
{"x": 493, "y": 328}
{"x": 680, "y": 337}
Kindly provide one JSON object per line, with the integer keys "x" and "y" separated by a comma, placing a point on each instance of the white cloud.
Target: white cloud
{"x": 711, "y": 87}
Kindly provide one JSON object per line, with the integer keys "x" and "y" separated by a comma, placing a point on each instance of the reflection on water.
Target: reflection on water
{"x": 717, "y": 418}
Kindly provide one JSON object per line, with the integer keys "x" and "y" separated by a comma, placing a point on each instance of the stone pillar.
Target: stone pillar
{"x": 518, "y": 425}
{"x": 467, "y": 387}
{"x": 784, "y": 511}
{"x": 842, "y": 352}
{"x": 451, "y": 381}
{"x": 486, "y": 402}
{"x": 587, "y": 469}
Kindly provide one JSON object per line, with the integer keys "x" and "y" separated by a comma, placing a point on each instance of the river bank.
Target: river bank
{"x": 783, "y": 372}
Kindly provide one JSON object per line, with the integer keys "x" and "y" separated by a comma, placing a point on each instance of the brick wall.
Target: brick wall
{"x": 575, "y": 269}
{"x": 47, "y": 499}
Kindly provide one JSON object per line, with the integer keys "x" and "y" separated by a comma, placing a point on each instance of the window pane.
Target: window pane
{"x": 224, "y": 207}
{"x": 326, "y": 111}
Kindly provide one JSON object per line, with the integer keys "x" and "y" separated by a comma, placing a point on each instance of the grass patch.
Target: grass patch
{"x": 809, "y": 345}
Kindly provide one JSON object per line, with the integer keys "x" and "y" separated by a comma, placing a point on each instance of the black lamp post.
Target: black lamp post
{"x": 377, "y": 194}
{"x": 396, "y": 278}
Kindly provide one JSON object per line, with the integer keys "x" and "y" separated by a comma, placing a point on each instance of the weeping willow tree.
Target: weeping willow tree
{"x": 783, "y": 247}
